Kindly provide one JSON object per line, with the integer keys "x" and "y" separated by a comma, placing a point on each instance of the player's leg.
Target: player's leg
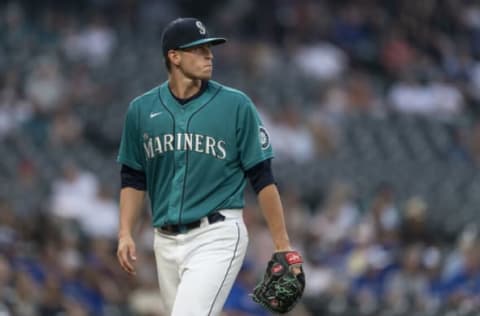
{"x": 167, "y": 256}
{"x": 215, "y": 255}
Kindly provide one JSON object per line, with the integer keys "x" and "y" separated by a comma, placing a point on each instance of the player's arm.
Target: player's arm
{"x": 269, "y": 199}
{"x": 132, "y": 196}
{"x": 263, "y": 183}
{"x": 271, "y": 205}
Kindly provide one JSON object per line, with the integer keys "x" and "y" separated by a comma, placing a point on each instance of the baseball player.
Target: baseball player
{"x": 190, "y": 143}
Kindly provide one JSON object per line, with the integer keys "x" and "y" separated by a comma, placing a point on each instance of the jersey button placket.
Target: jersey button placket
{"x": 180, "y": 158}
{"x": 179, "y": 174}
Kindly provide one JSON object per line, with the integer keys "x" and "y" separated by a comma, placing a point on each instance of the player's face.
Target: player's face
{"x": 196, "y": 62}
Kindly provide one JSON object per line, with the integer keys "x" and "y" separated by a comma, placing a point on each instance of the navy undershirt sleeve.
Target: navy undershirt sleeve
{"x": 260, "y": 175}
{"x": 133, "y": 178}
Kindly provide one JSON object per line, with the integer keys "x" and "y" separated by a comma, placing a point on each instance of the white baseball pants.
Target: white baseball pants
{"x": 196, "y": 270}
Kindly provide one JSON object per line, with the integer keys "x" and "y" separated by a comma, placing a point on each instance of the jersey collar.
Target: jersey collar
{"x": 173, "y": 104}
{"x": 203, "y": 87}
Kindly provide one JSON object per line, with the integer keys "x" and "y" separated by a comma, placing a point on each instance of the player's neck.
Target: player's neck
{"x": 184, "y": 88}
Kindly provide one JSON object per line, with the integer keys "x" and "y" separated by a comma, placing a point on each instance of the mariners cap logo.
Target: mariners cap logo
{"x": 264, "y": 138}
{"x": 201, "y": 28}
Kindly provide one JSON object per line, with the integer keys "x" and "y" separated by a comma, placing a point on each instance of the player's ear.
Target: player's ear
{"x": 174, "y": 57}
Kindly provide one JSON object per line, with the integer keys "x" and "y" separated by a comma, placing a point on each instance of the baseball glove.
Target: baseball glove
{"x": 283, "y": 283}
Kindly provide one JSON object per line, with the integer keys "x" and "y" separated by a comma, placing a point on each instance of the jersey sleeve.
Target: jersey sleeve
{"x": 130, "y": 152}
{"x": 253, "y": 140}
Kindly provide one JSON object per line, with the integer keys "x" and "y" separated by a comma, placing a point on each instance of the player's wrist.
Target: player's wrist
{"x": 124, "y": 234}
{"x": 283, "y": 248}
{"x": 282, "y": 245}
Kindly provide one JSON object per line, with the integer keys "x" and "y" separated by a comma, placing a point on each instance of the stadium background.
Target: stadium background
{"x": 372, "y": 107}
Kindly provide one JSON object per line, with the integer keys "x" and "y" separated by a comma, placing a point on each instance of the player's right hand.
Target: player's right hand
{"x": 126, "y": 254}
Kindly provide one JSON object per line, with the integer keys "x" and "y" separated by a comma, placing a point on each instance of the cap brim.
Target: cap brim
{"x": 210, "y": 40}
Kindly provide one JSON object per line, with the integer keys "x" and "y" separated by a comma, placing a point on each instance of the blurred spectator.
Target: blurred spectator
{"x": 416, "y": 228}
{"x": 26, "y": 295}
{"x": 351, "y": 31}
{"x": 8, "y": 228}
{"x": 369, "y": 288}
{"x": 93, "y": 44}
{"x": 16, "y": 32}
{"x": 14, "y": 108}
{"x": 383, "y": 216}
{"x": 75, "y": 308}
{"x": 45, "y": 85}
{"x": 433, "y": 263}
{"x": 321, "y": 277}
{"x": 474, "y": 144}
{"x": 100, "y": 218}
{"x": 82, "y": 87}
{"x": 438, "y": 99}
{"x": 321, "y": 61}
{"x": 6, "y": 289}
{"x": 335, "y": 101}
{"x": 356, "y": 261}
{"x": 455, "y": 260}
{"x": 464, "y": 285}
{"x": 291, "y": 139}
{"x": 397, "y": 55}
{"x": 51, "y": 301}
{"x": 336, "y": 220}
{"x": 407, "y": 286}
{"x": 27, "y": 185}
{"x": 361, "y": 96}
{"x": 65, "y": 129}
{"x": 98, "y": 41}
{"x": 73, "y": 192}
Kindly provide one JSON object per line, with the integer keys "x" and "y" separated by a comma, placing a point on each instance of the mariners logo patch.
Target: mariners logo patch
{"x": 264, "y": 138}
{"x": 201, "y": 28}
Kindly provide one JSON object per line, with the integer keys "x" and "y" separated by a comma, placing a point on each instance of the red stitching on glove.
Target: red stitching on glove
{"x": 293, "y": 257}
{"x": 277, "y": 268}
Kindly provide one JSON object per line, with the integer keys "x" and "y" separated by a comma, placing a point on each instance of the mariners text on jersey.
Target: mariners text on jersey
{"x": 199, "y": 143}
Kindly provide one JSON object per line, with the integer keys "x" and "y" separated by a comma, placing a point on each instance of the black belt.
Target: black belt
{"x": 174, "y": 229}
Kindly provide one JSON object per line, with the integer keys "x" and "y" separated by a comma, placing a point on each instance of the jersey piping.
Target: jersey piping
{"x": 173, "y": 124}
{"x": 228, "y": 269}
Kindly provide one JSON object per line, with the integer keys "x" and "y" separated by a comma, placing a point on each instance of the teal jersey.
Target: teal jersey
{"x": 194, "y": 155}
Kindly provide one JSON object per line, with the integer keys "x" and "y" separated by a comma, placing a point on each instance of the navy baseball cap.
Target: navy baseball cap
{"x": 186, "y": 32}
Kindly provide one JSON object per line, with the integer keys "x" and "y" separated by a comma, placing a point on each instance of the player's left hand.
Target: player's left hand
{"x": 126, "y": 254}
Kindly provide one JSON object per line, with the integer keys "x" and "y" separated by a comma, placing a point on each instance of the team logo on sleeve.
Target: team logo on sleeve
{"x": 264, "y": 138}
